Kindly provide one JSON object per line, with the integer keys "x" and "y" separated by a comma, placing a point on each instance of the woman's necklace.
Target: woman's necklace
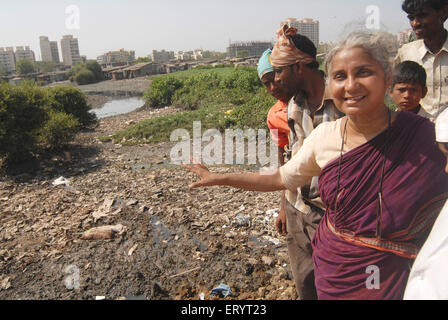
{"x": 380, "y": 191}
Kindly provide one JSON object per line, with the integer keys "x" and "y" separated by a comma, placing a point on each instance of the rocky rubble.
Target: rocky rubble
{"x": 174, "y": 243}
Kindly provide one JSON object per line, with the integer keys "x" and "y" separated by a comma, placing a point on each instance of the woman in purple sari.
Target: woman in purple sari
{"x": 381, "y": 177}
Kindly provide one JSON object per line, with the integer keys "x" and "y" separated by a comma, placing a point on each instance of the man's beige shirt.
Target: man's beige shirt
{"x": 436, "y": 66}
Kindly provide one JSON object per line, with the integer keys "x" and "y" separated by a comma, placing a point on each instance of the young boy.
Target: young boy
{"x": 427, "y": 19}
{"x": 409, "y": 87}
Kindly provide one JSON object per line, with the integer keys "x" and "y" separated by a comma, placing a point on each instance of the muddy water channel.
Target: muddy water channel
{"x": 118, "y": 106}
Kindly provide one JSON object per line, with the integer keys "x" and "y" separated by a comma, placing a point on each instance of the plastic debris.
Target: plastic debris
{"x": 103, "y": 210}
{"x": 241, "y": 220}
{"x": 223, "y": 290}
{"x": 100, "y": 298}
{"x": 103, "y": 233}
{"x": 131, "y": 251}
{"x": 202, "y": 296}
{"x": 272, "y": 240}
{"x": 61, "y": 181}
{"x": 5, "y": 283}
{"x": 273, "y": 212}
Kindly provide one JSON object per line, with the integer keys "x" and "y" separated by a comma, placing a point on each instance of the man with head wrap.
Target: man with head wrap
{"x": 297, "y": 71}
{"x": 277, "y": 120}
{"x": 428, "y": 279}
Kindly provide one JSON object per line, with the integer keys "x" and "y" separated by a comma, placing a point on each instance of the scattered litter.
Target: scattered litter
{"x": 131, "y": 251}
{"x": 61, "y": 181}
{"x": 272, "y": 240}
{"x": 268, "y": 261}
{"x": 223, "y": 290}
{"x": 143, "y": 209}
{"x": 241, "y": 221}
{"x": 271, "y": 214}
{"x": 159, "y": 193}
{"x": 100, "y": 298}
{"x": 202, "y": 296}
{"x": 131, "y": 202}
{"x": 104, "y": 232}
{"x": 5, "y": 283}
{"x": 105, "y": 209}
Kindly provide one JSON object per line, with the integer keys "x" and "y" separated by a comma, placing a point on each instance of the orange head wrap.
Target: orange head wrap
{"x": 285, "y": 52}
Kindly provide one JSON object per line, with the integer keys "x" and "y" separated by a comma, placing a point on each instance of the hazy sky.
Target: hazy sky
{"x": 179, "y": 24}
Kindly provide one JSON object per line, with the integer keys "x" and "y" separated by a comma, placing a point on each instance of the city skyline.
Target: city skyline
{"x": 181, "y": 26}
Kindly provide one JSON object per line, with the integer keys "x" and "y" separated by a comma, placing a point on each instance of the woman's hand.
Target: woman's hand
{"x": 207, "y": 178}
{"x": 252, "y": 181}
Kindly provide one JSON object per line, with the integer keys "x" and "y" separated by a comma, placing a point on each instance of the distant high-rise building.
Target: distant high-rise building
{"x": 54, "y": 51}
{"x": 162, "y": 56}
{"x": 250, "y": 48}
{"x": 7, "y": 59}
{"x": 70, "y": 50}
{"x": 45, "y": 49}
{"x": 24, "y": 53}
{"x": 405, "y": 36}
{"x": 307, "y": 27}
{"x": 116, "y": 58}
{"x": 49, "y": 49}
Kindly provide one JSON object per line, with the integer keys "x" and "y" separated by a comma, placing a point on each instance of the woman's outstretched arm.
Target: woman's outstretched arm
{"x": 253, "y": 181}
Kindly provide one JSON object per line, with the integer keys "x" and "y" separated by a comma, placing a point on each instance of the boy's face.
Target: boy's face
{"x": 427, "y": 22}
{"x": 407, "y": 96}
{"x": 273, "y": 88}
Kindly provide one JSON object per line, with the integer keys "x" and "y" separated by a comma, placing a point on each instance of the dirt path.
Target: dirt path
{"x": 177, "y": 244}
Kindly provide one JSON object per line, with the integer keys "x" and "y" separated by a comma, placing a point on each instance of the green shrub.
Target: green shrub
{"x": 25, "y": 66}
{"x": 85, "y": 76}
{"x": 96, "y": 69}
{"x": 161, "y": 91}
{"x": 253, "y": 113}
{"x": 32, "y": 118}
{"x": 244, "y": 79}
{"x": 23, "y": 110}
{"x": 86, "y": 73}
{"x": 195, "y": 90}
{"x": 72, "y": 101}
{"x": 58, "y": 130}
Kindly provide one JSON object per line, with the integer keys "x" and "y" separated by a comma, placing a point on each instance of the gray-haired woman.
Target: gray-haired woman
{"x": 380, "y": 175}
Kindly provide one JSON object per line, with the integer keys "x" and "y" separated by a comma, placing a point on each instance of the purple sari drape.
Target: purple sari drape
{"x": 413, "y": 176}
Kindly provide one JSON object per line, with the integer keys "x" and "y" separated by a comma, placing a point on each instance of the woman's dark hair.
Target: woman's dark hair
{"x": 306, "y": 45}
{"x": 412, "y": 6}
{"x": 409, "y": 72}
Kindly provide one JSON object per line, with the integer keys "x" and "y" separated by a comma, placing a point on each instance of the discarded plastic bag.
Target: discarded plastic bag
{"x": 104, "y": 232}
{"x": 222, "y": 289}
{"x": 241, "y": 220}
{"x": 61, "y": 180}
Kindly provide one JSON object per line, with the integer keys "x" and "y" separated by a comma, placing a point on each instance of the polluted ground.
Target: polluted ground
{"x": 106, "y": 221}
